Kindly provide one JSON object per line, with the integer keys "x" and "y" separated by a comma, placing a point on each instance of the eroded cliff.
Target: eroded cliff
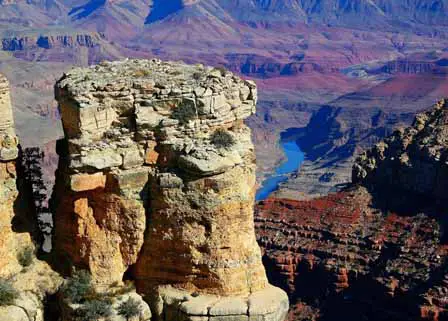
{"x": 10, "y": 241}
{"x": 157, "y": 183}
{"x": 377, "y": 250}
{"x": 25, "y": 281}
{"x": 410, "y": 168}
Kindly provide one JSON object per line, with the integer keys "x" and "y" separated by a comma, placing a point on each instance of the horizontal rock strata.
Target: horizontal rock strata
{"x": 10, "y": 243}
{"x": 157, "y": 175}
{"x": 377, "y": 250}
{"x": 31, "y": 279}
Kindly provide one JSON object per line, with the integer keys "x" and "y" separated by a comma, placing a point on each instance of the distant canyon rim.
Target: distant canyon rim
{"x": 347, "y": 77}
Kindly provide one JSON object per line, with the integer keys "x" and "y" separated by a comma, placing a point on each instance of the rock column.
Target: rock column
{"x": 11, "y": 242}
{"x": 157, "y": 178}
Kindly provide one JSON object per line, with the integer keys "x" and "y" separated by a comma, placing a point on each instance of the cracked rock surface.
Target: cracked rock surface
{"x": 157, "y": 179}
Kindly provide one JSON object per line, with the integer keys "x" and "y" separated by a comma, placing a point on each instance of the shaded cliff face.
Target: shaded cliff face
{"x": 349, "y": 255}
{"x": 347, "y": 260}
{"x": 412, "y": 163}
{"x": 10, "y": 242}
{"x": 157, "y": 180}
{"x": 31, "y": 279}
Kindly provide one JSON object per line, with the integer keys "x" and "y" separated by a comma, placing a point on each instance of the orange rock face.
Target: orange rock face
{"x": 157, "y": 178}
{"x": 102, "y": 232}
{"x": 209, "y": 222}
{"x": 143, "y": 173}
{"x": 87, "y": 182}
{"x": 11, "y": 242}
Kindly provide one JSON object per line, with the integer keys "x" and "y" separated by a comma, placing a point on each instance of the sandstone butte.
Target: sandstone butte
{"x": 156, "y": 183}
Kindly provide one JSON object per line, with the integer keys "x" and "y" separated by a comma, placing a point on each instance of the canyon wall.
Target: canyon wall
{"x": 376, "y": 250}
{"x": 20, "y": 272}
{"x": 156, "y": 183}
{"x": 411, "y": 162}
{"x": 10, "y": 241}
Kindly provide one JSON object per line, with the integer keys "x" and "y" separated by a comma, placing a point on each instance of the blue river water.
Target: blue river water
{"x": 295, "y": 158}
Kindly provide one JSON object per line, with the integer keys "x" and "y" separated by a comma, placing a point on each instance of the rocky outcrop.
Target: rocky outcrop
{"x": 8, "y": 139}
{"x": 25, "y": 42}
{"x": 347, "y": 260}
{"x": 11, "y": 242}
{"x": 349, "y": 255}
{"x": 30, "y": 278}
{"x": 157, "y": 179}
{"x": 413, "y": 161}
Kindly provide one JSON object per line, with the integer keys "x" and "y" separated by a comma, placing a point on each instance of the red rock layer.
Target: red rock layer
{"x": 339, "y": 251}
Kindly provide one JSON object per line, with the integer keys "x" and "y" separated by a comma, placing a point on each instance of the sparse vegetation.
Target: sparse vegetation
{"x": 94, "y": 310}
{"x": 221, "y": 138}
{"x": 25, "y": 256}
{"x": 184, "y": 113}
{"x": 97, "y": 305}
{"x": 129, "y": 308}
{"x": 7, "y": 293}
{"x": 141, "y": 73}
{"x": 126, "y": 288}
{"x": 78, "y": 287}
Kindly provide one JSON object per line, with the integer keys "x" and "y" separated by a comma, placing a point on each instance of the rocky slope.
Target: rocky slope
{"x": 384, "y": 14}
{"x": 412, "y": 163}
{"x": 156, "y": 183}
{"x": 355, "y": 254}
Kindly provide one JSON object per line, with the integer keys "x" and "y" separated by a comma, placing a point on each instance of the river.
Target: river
{"x": 294, "y": 159}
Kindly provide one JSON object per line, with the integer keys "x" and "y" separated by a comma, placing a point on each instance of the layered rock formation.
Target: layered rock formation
{"x": 349, "y": 255}
{"x": 411, "y": 162}
{"x": 19, "y": 43}
{"x": 33, "y": 280}
{"x": 338, "y": 251}
{"x": 11, "y": 242}
{"x": 157, "y": 178}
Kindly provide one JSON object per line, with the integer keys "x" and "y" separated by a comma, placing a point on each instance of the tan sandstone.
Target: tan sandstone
{"x": 157, "y": 174}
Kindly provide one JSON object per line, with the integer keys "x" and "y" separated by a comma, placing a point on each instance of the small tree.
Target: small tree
{"x": 129, "y": 308}
{"x": 78, "y": 286}
{"x": 7, "y": 293}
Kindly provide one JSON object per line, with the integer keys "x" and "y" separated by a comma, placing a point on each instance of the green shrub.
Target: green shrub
{"x": 7, "y": 293}
{"x": 25, "y": 256}
{"x": 221, "y": 138}
{"x": 78, "y": 287}
{"x": 129, "y": 308}
{"x": 94, "y": 310}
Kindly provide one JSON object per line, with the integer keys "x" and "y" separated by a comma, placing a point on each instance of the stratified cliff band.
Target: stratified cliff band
{"x": 377, "y": 250}
{"x": 156, "y": 183}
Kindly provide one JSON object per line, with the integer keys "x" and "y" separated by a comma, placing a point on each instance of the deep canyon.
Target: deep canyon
{"x": 334, "y": 78}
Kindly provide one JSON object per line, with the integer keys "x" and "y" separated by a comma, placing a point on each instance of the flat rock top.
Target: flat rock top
{"x": 177, "y": 77}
